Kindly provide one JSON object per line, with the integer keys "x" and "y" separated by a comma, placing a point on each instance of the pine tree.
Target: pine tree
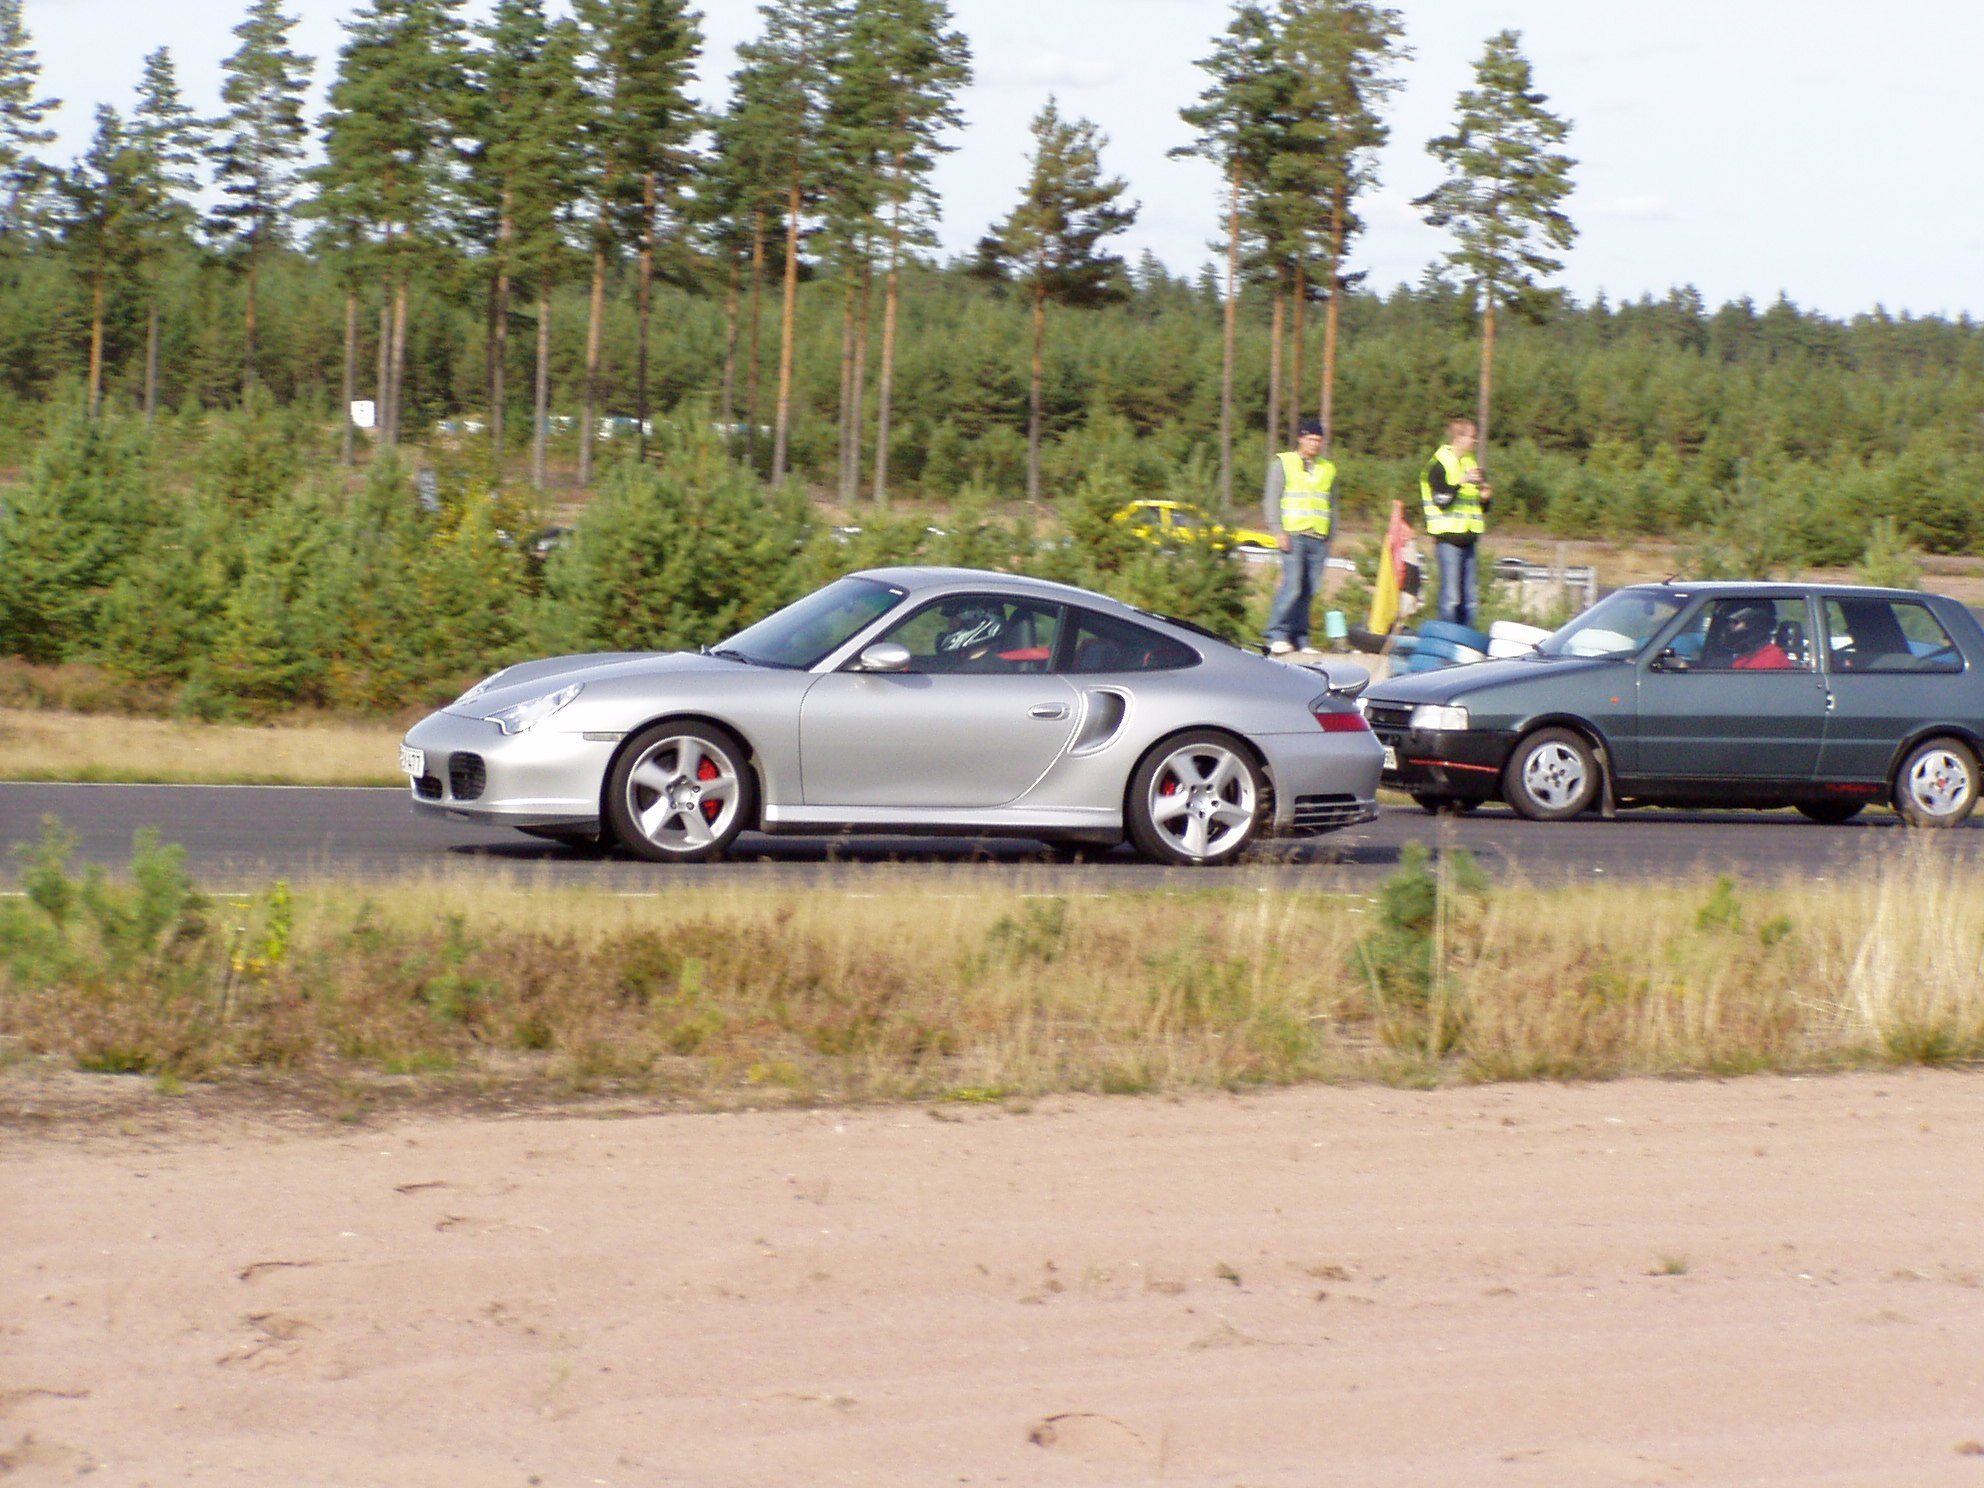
{"x": 260, "y": 141}
{"x": 171, "y": 141}
{"x": 1051, "y": 241}
{"x": 782, "y": 94}
{"x": 1341, "y": 54}
{"x": 21, "y": 113}
{"x": 388, "y": 157}
{"x": 1505, "y": 179}
{"x": 105, "y": 202}
{"x": 898, "y": 97}
{"x": 1238, "y": 129}
{"x": 532, "y": 156}
{"x": 641, "y": 56}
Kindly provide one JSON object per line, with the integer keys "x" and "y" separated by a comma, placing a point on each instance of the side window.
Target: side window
{"x": 1887, "y": 635}
{"x": 1102, "y": 644}
{"x": 983, "y": 633}
{"x": 1746, "y": 634}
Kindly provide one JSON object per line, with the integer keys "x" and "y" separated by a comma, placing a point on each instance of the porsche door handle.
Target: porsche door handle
{"x": 1048, "y": 711}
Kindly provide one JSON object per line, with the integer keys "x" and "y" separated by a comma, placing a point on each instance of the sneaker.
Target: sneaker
{"x": 1280, "y": 648}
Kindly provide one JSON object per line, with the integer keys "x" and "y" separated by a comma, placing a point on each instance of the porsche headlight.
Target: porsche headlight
{"x": 480, "y": 688}
{"x": 520, "y": 716}
{"x": 1442, "y": 717}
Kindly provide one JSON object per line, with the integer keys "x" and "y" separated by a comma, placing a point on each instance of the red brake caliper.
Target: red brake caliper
{"x": 707, "y": 770}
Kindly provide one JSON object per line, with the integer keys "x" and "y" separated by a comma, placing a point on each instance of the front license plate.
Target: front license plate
{"x": 414, "y": 761}
{"x": 1391, "y": 757}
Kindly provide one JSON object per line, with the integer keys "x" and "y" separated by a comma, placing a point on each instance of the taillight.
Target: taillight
{"x": 1342, "y": 723}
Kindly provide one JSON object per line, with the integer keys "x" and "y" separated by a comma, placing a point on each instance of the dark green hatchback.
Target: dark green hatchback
{"x": 1829, "y": 698}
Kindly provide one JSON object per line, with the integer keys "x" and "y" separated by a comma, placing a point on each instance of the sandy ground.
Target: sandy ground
{"x": 1760, "y": 1281}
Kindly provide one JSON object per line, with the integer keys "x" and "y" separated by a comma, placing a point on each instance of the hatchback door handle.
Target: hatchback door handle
{"x": 1049, "y": 710}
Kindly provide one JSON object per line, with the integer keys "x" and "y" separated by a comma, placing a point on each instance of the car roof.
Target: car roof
{"x": 918, "y": 579}
{"x": 1776, "y": 588}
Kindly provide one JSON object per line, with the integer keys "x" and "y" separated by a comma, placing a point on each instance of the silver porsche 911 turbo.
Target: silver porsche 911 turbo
{"x": 913, "y": 700}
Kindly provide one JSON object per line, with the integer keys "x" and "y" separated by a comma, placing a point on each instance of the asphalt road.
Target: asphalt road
{"x": 244, "y": 836}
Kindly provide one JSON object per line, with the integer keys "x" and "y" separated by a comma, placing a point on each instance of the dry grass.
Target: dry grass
{"x": 896, "y": 986}
{"x": 52, "y": 745}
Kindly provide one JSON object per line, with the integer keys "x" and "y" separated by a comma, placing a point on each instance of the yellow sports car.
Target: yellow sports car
{"x": 1156, "y": 520}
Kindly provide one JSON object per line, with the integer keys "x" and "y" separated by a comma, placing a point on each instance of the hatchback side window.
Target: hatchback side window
{"x": 1745, "y": 634}
{"x": 1103, "y": 644}
{"x": 1887, "y": 635}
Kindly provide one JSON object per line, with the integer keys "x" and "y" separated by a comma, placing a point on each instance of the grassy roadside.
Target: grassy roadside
{"x": 940, "y": 987}
{"x": 38, "y": 744}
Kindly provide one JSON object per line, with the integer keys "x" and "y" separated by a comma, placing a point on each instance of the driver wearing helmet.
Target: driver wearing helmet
{"x": 971, "y": 634}
{"x": 1749, "y": 638}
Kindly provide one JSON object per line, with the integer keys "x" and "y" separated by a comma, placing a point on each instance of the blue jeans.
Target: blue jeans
{"x": 1460, "y": 581}
{"x": 1302, "y": 568}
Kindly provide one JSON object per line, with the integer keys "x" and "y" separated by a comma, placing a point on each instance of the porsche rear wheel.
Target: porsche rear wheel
{"x": 680, "y": 793}
{"x": 1196, "y": 800}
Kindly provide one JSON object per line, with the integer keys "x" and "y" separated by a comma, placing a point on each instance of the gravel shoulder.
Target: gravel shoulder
{"x": 1770, "y": 1280}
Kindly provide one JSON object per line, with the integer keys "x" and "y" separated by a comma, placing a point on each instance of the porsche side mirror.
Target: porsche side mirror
{"x": 1670, "y": 660}
{"x": 883, "y": 656}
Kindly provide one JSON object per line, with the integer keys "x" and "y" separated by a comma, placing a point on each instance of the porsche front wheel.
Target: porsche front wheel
{"x": 680, "y": 793}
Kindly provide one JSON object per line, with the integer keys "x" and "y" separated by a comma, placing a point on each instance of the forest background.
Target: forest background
{"x": 714, "y": 342}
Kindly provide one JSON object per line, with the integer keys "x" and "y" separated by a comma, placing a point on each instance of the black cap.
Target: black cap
{"x": 1311, "y": 426}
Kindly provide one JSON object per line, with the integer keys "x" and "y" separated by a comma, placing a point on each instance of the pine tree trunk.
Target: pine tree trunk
{"x": 643, "y": 313}
{"x": 541, "y": 401}
{"x": 1228, "y": 334}
{"x": 383, "y": 370}
{"x": 860, "y": 379}
{"x": 399, "y": 353}
{"x": 1487, "y": 377}
{"x": 845, "y": 423}
{"x": 886, "y": 382}
{"x": 96, "y": 338}
{"x": 499, "y": 361}
{"x": 727, "y": 408}
{"x": 1326, "y": 401}
{"x": 595, "y": 320}
{"x": 788, "y": 319}
{"x": 348, "y": 434}
{"x": 1298, "y": 337}
{"x": 151, "y": 361}
{"x": 757, "y": 322}
{"x": 1033, "y": 386}
{"x": 249, "y": 331}
{"x": 1274, "y": 359}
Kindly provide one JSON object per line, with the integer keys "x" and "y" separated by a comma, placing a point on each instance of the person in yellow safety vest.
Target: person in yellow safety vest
{"x": 1454, "y": 499}
{"x": 1298, "y": 505}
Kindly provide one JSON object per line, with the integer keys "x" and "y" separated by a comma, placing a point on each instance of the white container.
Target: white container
{"x": 1513, "y": 630}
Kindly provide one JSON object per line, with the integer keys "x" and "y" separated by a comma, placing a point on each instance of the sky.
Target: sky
{"x": 1720, "y": 143}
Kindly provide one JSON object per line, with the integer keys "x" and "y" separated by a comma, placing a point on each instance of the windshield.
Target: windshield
{"x": 807, "y": 629}
{"x": 1618, "y": 625}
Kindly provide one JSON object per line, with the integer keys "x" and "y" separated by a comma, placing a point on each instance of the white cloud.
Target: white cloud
{"x": 1643, "y": 208}
{"x": 1057, "y": 69}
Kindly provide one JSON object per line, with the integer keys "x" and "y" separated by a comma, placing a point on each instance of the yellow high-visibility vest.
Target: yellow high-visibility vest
{"x": 1305, "y": 495}
{"x": 1465, "y": 515}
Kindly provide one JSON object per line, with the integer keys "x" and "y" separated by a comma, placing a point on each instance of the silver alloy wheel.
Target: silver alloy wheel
{"x": 1555, "y": 775}
{"x": 683, "y": 793}
{"x": 1938, "y": 782}
{"x": 1201, "y": 801}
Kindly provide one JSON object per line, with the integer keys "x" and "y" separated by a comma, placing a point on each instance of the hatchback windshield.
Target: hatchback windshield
{"x": 807, "y": 629}
{"x": 1618, "y": 625}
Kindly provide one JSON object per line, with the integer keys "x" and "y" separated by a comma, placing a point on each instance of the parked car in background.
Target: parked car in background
{"x": 1183, "y": 522}
{"x": 1829, "y": 698}
{"x": 913, "y": 700}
